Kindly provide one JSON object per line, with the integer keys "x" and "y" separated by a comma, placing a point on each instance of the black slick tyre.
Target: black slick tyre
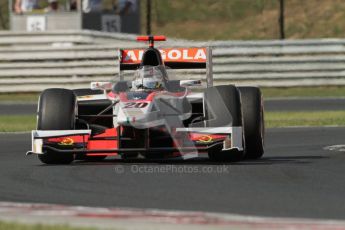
{"x": 253, "y": 121}
{"x": 56, "y": 111}
{"x": 223, "y": 109}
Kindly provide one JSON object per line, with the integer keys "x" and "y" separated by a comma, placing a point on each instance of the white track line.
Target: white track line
{"x": 338, "y": 148}
{"x": 302, "y": 98}
{"x": 124, "y": 218}
{"x": 10, "y": 133}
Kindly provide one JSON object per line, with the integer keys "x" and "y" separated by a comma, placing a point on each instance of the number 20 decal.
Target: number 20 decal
{"x": 138, "y": 105}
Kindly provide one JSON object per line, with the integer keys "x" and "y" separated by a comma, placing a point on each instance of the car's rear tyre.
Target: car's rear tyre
{"x": 219, "y": 100}
{"x": 253, "y": 121}
{"x": 56, "y": 111}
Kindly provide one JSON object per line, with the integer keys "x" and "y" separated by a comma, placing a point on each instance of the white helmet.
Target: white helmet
{"x": 149, "y": 78}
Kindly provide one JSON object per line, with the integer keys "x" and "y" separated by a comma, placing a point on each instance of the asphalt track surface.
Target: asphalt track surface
{"x": 295, "y": 178}
{"x": 270, "y": 105}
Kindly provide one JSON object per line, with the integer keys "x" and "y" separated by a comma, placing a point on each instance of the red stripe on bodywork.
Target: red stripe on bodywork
{"x": 75, "y": 139}
{"x": 112, "y": 132}
{"x": 103, "y": 144}
{"x": 91, "y": 144}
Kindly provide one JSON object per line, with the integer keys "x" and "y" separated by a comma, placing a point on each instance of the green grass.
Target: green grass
{"x": 235, "y": 19}
{"x": 17, "y": 226}
{"x": 272, "y": 119}
{"x": 15, "y": 123}
{"x": 194, "y": 19}
{"x": 245, "y": 19}
{"x": 303, "y": 118}
{"x": 322, "y": 91}
{"x": 19, "y": 97}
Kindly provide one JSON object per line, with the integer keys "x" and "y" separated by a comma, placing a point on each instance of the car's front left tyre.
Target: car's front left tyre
{"x": 253, "y": 121}
{"x": 223, "y": 109}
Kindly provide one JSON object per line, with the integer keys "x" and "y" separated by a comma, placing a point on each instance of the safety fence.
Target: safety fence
{"x": 71, "y": 59}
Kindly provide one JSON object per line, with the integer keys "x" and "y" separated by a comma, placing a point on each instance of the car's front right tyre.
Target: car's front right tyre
{"x": 56, "y": 111}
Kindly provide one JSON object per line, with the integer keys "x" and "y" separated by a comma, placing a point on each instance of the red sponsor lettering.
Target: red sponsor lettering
{"x": 134, "y": 56}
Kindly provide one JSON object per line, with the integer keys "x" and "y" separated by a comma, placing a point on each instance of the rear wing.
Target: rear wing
{"x": 174, "y": 58}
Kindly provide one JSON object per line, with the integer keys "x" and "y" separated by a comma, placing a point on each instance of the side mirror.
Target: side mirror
{"x": 190, "y": 83}
{"x": 103, "y": 85}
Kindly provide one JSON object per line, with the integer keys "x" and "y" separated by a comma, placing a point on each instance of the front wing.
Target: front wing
{"x": 108, "y": 143}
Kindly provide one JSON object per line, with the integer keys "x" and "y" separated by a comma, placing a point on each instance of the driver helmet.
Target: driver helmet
{"x": 149, "y": 78}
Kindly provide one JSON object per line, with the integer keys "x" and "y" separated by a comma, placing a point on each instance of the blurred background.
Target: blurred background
{"x": 235, "y": 19}
{"x": 69, "y": 43}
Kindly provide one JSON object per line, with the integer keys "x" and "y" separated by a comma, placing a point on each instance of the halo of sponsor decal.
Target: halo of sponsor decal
{"x": 67, "y": 141}
{"x": 205, "y": 139}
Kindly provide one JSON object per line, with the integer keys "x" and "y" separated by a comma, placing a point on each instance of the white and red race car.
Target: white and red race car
{"x": 151, "y": 116}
